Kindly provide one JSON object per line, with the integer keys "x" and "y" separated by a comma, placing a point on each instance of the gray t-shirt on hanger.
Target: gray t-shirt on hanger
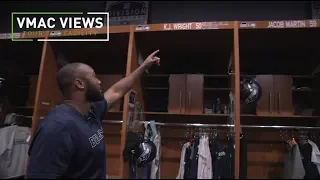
{"x": 13, "y": 151}
{"x": 293, "y": 167}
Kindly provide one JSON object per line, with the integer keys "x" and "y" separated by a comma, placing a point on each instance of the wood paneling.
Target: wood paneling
{"x": 236, "y": 94}
{"x": 47, "y": 94}
{"x": 132, "y": 64}
{"x": 283, "y": 95}
{"x": 177, "y": 94}
{"x": 194, "y": 93}
{"x": 265, "y": 106}
{"x": 112, "y": 138}
{"x": 266, "y": 151}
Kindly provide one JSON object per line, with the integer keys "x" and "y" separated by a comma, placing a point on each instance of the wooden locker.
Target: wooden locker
{"x": 265, "y": 106}
{"x": 177, "y": 94}
{"x": 283, "y": 95}
{"x": 194, "y": 94}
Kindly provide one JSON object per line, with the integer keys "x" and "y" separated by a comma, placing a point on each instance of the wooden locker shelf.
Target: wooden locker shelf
{"x": 281, "y": 55}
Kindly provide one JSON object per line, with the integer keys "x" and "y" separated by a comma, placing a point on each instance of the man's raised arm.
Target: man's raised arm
{"x": 119, "y": 89}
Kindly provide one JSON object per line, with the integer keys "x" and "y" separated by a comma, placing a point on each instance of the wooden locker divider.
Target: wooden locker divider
{"x": 236, "y": 94}
{"x": 47, "y": 94}
{"x": 132, "y": 64}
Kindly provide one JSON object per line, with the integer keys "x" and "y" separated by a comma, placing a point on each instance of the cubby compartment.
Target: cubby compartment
{"x": 193, "y": 63}
{"x": 282, "y": 62}
{"x": 20, "y": 68}
{"x": 109, "y": 61}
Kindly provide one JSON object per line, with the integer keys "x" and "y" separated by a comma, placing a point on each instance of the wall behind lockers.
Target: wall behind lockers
{"x": 175, "y": 11}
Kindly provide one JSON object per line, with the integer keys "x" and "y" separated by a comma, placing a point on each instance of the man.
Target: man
{"x": 69, "y": 142}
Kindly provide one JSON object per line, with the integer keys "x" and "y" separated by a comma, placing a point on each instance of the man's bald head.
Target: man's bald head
{"x": 67, "y": 75}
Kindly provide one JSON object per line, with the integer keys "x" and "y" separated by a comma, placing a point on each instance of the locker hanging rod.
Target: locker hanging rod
{"x": 216, "y": 125}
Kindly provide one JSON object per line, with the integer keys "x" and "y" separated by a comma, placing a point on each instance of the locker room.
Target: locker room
{"x": 232, "y": 98}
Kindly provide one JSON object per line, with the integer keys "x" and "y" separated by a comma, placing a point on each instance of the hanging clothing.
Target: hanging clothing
{"x": 10, "y": 118}
{"x": 315, "y": 155}
{"x": 187, "y": 164}
{"x": 13, "y": 151}
{"x": 243, "y": 158}
{"x": 155, "y": 164}
{"x": 204, "y": 160}
{"x": 230, "y": 157}
{"x": 182, "y": 161}
{"x": 311, "y": 170}
{"x": 221, "y": 166}
{"x": 213, "y": 150}
{"x": 194, "y": 159}
{"x": 302, "y": 160}
{"x": 189, "y": 160}
{"x": 152, "y": 170}
{"x": 293, "y": 166}
{"x": 132, "y": 168}
{"x": 132, "y": 140}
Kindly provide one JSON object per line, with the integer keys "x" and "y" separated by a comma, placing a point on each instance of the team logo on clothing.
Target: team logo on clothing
{"x": 144, "y": 156}
{"x": 96, "y": 138}
{"x": 220, "y": 154}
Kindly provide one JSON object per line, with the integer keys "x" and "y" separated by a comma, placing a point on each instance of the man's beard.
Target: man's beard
{"x": 93, "y": 94}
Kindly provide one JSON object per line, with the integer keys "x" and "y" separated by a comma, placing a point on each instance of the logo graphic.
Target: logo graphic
{"x": 59, "y": 24}
{"x": 247, "y": 24}
{"x": 142, "y": 27}
{"x": 96, "y": 138}
{"x": 144, "y": 156}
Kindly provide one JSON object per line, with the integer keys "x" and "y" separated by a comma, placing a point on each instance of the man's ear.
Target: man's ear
{"x": 79, "y": 83}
